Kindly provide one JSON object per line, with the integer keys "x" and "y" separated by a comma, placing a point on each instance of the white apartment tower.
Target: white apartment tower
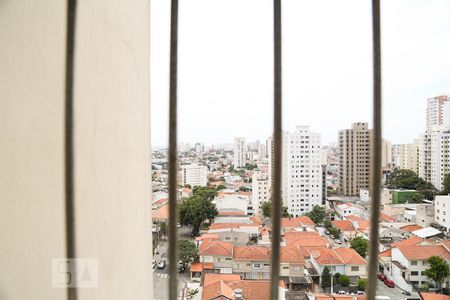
{"x": 240, "y": 152}
{"x": 436, "y": 108}
{"x": 260, "y": 191}
{"x": 302, "y": 170}
{"x": 354, "y": 159}
{"x": 270, "y": 157}
{"x": 194, "y": 175}
{"x": 433, "y": 144}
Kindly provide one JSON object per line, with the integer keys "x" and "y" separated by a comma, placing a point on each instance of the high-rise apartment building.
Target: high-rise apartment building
{"x": 437, "y": 108}
{"x": 433, "y": 162}
{"x": 240, "y": 152}
{"x": 439, "y": 159}
{"x": 270, "y": 156}
{"x": 386, "y": 153}
{"x": 408, "y": 156}
{"x": 260, "y": 191}
{"x": 354, "y": 159}
{"x": 302, "y": 171}
{"x": 194, "y": 175}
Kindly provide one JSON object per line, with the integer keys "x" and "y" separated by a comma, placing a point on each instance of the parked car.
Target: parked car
{"x": 406, "y": 293}
{"x": 338, "y": 241}
{"x": 381, "y": 277}
{"x": 341, "y": 292}
{"x": 161, "y": 264}
{"x": 389, "y": 283}
{"x": 360, "y": 293}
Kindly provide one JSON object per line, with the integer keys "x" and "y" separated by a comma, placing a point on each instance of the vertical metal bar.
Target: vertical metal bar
{"x": 277, "y": 127}
{"x": 376, "y": 152}
{"x": 173, "y": 290}
{"x": 69, "y": 140}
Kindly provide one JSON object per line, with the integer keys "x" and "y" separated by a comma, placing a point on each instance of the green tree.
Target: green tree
{"x": 250, "y": 166}
{"x": 446, "y": 185}
{"x": 187, "y": 186}
{"x": 195, "y": 210}
{"x": 344, "y": 280}
{"x": 437, "y": 271}
{"x": 407, "y": 179}
{"x": 417, "y": 198}
{"x": 317, "y": 214}
{"x": 221, "y": 187}
{"x": 204, "y": 192}
{"x": 359, "y": 244}
{"x": 325, "y": 278}
{"x": 362, "y": 283}
{"x": 402, "y": 179}
{"x": 187, "y": 251}
{"x": 163, "y": 228}
{"x": 267, "y": 207}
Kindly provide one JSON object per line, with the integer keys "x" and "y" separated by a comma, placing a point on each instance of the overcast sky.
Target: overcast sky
{"x": 226, "y": 66}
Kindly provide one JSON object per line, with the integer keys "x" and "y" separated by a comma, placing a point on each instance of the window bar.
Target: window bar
{"x": 277, "y": 127}
{"x": 376, "y": 153}
{"x": 69, "y": 141}
{"x": 173, "y": 152}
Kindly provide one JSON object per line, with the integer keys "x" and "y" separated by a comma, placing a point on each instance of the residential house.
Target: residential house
{"x": 302, "y": 223}
{"x": 346, "y": 228}
{"x": 347, "y": 209}
{"x": 408, "y": 264}
{"x": 345, "y": 261}
{"x": 219, "y": 253}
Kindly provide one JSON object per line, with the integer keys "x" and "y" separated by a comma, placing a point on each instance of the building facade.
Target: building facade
{"x": 240, "y": 152}
{"x": 354, "y": 159}
{"x": 194, "y": 175}
{"x": 260, "y": 191}
{"x": 408, "y": 156}
{"x": 302, "y": 171}
{"x": 442, "y": 211}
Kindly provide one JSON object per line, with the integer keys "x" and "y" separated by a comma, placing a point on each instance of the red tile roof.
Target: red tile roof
{"x": 411, "y": 228}
{"x": 216, "y": 248}
{"x": 385, "y": 253}
{"x": 198, "y": 267}
{"x": 353, "y": 218}
{"x": 216, "y": 290}
{"x": 433, "y": 296}
{"x": 161, "y": 213}
{"x": 422, "y": 252}
{"x": 296, "y": 222}
{"x": 305, "y": 239}
{"x": 408, "y": 242}
{"x": 363, "y": 225}
{"x": 326, "y": 256}
{"x": 291, "y": 255}
{"x": 213, "y": 277}
{"x": 344, "y": 225}
{"x": 386, "y": 218}
{"x": 207, "y": 236}
{"x": 256, "y": 253}
{"x": 350, "y": 256}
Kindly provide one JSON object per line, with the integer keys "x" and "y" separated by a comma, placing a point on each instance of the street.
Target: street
{"x": 393, "y": 293}
{"x": 161, "y": 276}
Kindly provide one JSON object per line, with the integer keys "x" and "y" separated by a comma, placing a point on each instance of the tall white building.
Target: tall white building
{"x": 436, "y": 108}
{"x": 302, "y": 171}
{"x": 433, "y": 144}
{"x": 240, "y": 152}
{"x": 439, "y": 158}
{"x": 442, "y": 211}
{"x": 260, "y": 191}
{"x": 270, "y": 157}
{"x": 194, "y": 175}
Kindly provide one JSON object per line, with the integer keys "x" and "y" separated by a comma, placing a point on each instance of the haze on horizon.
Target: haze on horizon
{"x": 226, "y": 67}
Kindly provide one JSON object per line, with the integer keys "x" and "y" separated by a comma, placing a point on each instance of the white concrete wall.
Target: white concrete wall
{"x": 112, "y": 147}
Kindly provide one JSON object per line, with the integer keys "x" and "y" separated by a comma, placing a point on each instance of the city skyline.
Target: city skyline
{"x": 225, "y": 71}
